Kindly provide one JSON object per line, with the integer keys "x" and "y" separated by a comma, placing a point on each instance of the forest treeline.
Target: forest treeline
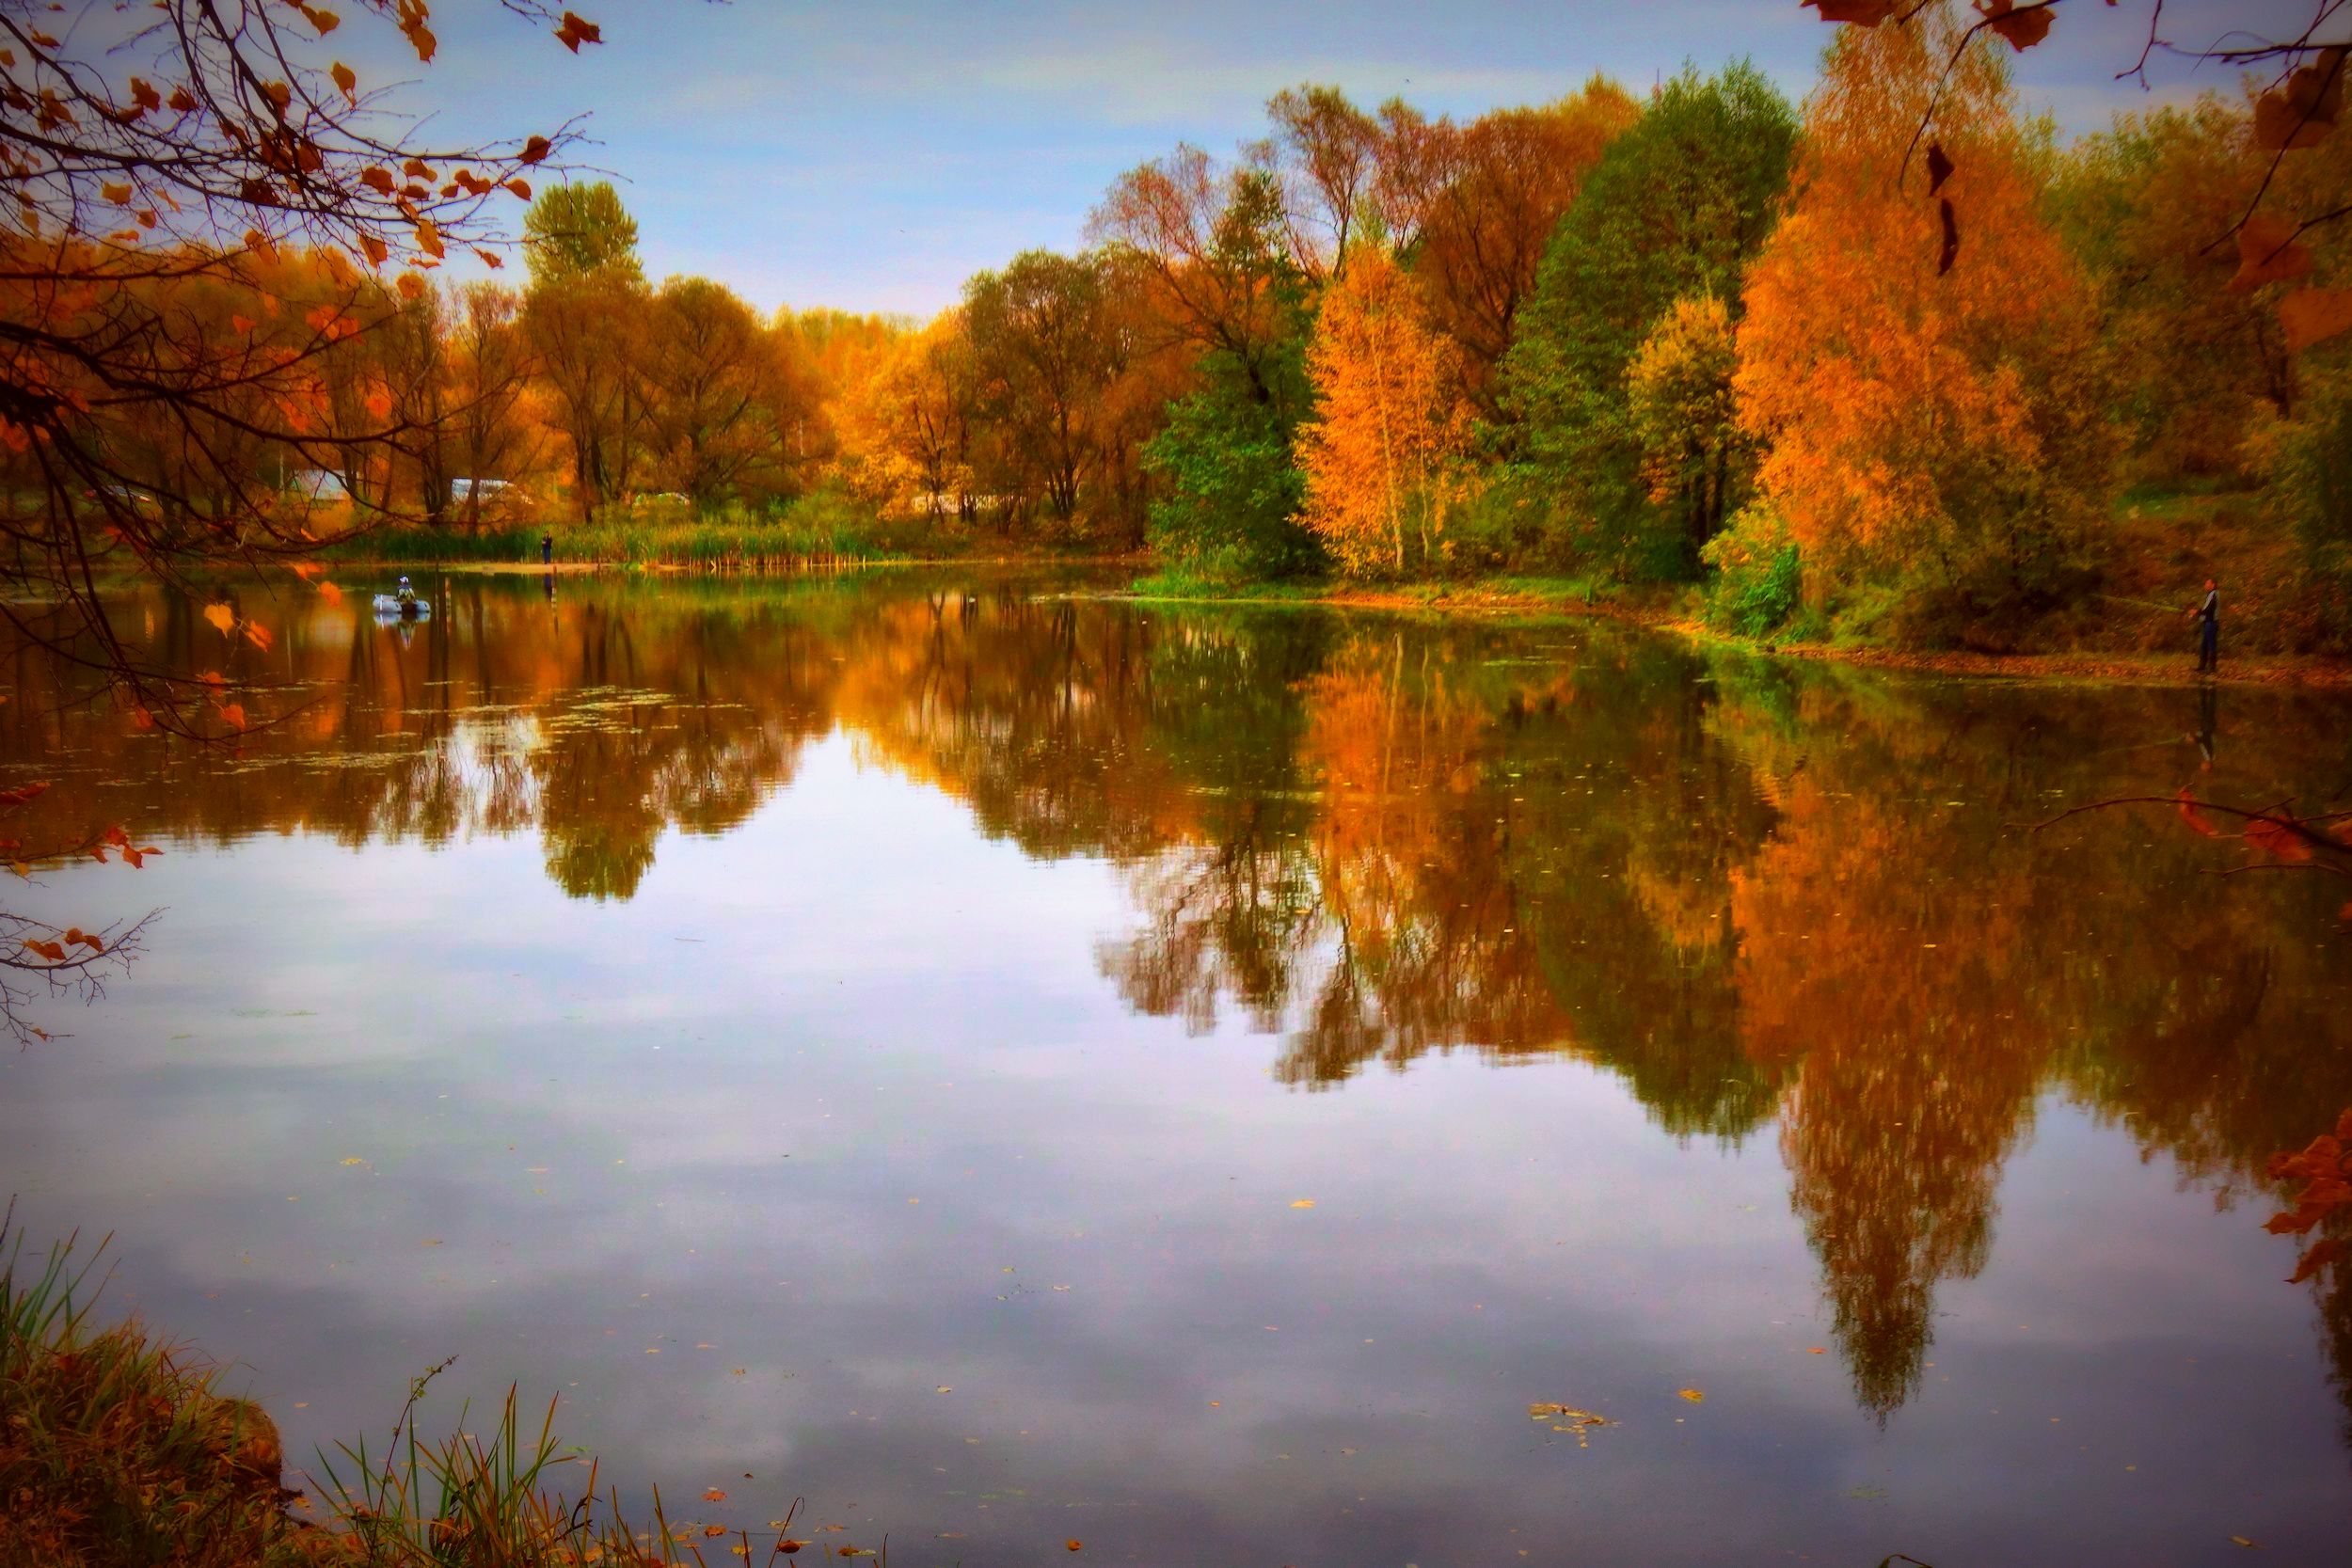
{"x": 1885, "y": 363}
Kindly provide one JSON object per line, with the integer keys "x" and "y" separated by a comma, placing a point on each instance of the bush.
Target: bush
{"x": 1233, "y": 496}
{"x": 1760, "y": 574}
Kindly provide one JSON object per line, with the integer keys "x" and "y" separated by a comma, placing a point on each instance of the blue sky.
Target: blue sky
{"x": 873, "y": 155}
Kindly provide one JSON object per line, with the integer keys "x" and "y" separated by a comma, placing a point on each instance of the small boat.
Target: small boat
{"x": 390, "y": 606}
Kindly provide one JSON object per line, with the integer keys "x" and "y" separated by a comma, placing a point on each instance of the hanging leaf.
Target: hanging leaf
{"x": 2022, "y": 26}
{"x": 1862, "y": 13}
{"x": 2301, "y": 111}
{"x": 576, "y": 31}
{"x": 2267, "y": 253}
{"x": 1950, "y": 252}
{"x": 535, "y": 151}
{"x": 2315, "y": 316}
{"x": 348, "y": 80}
{"x": 221, "y": 616}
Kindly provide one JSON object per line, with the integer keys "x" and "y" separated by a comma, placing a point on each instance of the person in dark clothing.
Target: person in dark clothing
{"x": 2209, "y": 629}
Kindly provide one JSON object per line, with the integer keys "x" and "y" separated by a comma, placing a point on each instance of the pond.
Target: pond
{"x": 1221, "y": 1084}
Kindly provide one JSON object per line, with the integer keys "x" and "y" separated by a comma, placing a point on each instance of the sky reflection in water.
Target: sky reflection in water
{"x": 756, "y": 1008}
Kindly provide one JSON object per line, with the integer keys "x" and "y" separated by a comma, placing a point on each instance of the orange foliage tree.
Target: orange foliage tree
{"x": 1931, "y": 412}
{"x": 1474, "y": 205}
{"x": 1389, "y": 452}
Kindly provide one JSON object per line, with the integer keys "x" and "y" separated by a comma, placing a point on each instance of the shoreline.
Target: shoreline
{"x": 2129, "y": 667}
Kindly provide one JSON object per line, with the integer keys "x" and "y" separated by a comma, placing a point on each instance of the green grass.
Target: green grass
{"x": 821, "y": 528}
{"x": 117, "y": 1451}
{"x": 1176, "y": 582}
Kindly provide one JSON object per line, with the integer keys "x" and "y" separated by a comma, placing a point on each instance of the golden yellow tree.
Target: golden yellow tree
{"x": 1918, "y": 353}
{"x": 1387, "y": 453}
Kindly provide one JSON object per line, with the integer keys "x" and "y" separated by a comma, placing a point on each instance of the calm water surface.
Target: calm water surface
{"x": 1012, "y": 1067}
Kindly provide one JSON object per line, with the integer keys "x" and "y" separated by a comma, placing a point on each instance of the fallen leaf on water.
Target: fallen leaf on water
{"x": 2241, "y": 1541}
{"x": 353, "y": 1160}
{"x": 1075, "y": 1545}
{"x": 945, "y": 1389}
{"x": 1817, "y": 1350}
{"x": 1693, "y": 1395}
{"x": 714, "y": 1495}
{"x": 1304, "y": 1203}
{"x": 715, "y": 1530}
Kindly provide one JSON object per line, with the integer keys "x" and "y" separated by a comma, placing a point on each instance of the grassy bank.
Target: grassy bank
{"x": 120, "y": 1451}
{"x": 2131, "y": 627}
{"x": 820, "y": 529}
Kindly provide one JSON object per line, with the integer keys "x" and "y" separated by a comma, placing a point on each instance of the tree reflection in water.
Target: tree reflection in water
{"x": 1755, "y": 891}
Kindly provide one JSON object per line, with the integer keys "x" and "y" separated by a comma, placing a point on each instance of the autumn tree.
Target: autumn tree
{"x": 1213, "y": 242}
{"x": 721, "y": 390}
{"x": 1474, "y": 207}
{"x": 911, "y": 422}
{"x": 155, "y": 157}
{"x": 1933, "y": 426}
{"x": 583, "y": 318}
{"x": 490, "y": 433}
{"x": 1677, "y": 208}
{"x": 1695, "y": 463}
{"x": 1041, "y": 338}
{"x": 1330, "y": 166}
{"x": 1387, "y": 457}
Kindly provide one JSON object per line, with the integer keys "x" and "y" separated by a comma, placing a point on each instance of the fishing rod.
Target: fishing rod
{"x": 2144, "y": 604}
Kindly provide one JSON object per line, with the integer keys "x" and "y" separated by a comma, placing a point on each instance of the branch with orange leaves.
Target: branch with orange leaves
{"x": 61, "y": 959}
{"x": 2292, "y": 841}
{"x": 2301, "y": 107}
{"x": 2324, "y": 1166}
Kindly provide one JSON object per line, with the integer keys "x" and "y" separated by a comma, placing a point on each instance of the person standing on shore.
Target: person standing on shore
{"x": 2209, "y": 630}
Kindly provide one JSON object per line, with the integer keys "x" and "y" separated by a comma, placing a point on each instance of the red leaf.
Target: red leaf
{"x": 1862, "y": 13}
{"x": 2023, "y": 28}
{"x": 2267, "y": 253}
{"x": 2318, "y": 1257}
{"x": 2191, "y": 815}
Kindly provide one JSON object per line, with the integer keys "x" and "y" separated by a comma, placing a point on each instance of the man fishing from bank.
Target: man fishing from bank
{"x": 2209, "y": 629}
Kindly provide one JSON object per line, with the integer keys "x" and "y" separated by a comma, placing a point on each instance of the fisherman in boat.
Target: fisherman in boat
{"x": 407, "y": 594}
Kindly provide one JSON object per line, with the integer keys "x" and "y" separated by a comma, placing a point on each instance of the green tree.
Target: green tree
{"x": 1678, "y": 206}
{"x": 1231, "y": 487}
{"x": 574, "y": 232}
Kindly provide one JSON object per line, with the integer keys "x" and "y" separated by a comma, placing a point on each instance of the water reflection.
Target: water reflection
{"x": 1758, "y": 894}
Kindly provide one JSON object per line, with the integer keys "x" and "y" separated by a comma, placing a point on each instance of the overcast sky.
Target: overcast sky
{"x": 873, "y": 155}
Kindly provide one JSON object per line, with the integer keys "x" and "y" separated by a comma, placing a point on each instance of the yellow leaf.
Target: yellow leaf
{"x": 1303, "y": 1203}
{"x": 1693, "y": 1395}
{"x": 221, "y": 616}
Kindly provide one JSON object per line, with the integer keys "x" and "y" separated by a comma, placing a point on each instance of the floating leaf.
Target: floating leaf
{"x": 1303, "y": 1203}
{"x": 714, "y": 1495}
{"x": 1692, "y": 1394}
